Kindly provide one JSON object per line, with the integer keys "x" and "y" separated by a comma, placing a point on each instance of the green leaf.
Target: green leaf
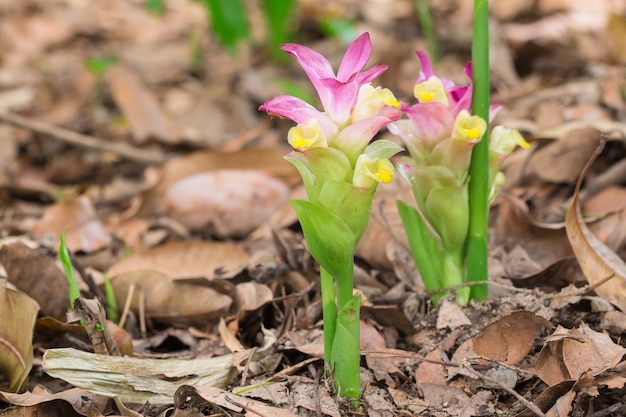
{"x": 346, "y": 354}
{"x": 64, "y": 256}
{"x": 329, "y": 238}
{"x": 449, "y": 213}
{"x": 156, "y": 7}
{"x": 228, "y": 20}
{"x": 99, "y": 66}
{"x": 425, "y": 247}
{"x": 277, "y": 13}
{"x": 382, "y": 149}
{"x": 342, "y": 29}
{"x": 350, "y": 203}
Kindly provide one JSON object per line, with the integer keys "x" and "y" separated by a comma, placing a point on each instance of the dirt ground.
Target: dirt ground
{"x": 140, "y": 137}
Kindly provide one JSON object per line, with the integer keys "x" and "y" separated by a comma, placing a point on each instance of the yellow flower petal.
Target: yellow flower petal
{"x": 468, "y": 128}
{"x": 431, "y": 90}
{"x": 368, "y": 172}
{"x": 371, "y": 100}
{"x": 307, "y": 136}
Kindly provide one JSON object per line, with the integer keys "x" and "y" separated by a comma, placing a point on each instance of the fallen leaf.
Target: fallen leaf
{"x": 84, "y": 230}
{"x": 596, "y": 260}
{"x": 219, "y": 202}
{"x": 84, "y": 402}
{"x": 595, "y": 352}
{"x": 560, "y": 161}
{"x": 188, "y": 259}
{"x": 139, "y": 106}
{"x": 451, "y": 316}
{"x": 269, "y": 160}
{"x": 18, "y": 312}
{"x": 568, "y": 354}
{"x": 252, "y": 295}
{"x": 165, "y": 299}
{"x": 35, "y": 272}
{"x": 200, "y": 399}
{"x": 509, "y": 339}
{"x": 136, "y": 380}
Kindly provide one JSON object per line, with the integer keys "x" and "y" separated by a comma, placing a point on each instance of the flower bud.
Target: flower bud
{"x": 368, "y": 172}
{"x": 431, "y": 90}
{"x": 504, "y": 140}
{"x": 303, "y": 137}
{"x": 371, "y": 100}
{"x": 468, "y": 128}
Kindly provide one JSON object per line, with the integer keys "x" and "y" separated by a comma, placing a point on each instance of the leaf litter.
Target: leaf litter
{"x": 176, "y": 190}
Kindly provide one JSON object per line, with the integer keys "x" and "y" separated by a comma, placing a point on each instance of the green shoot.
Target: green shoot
{"x": 426, "y": 21}
{"x": 229, "y": 21}
{"x": 64, "y": 256}
{"x": 277, "y": 15}
{"x": 111, "y": 301}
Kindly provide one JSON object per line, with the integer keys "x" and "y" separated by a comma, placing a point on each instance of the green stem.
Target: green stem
{"x": 346, "y": 356}
{"x": 479, "y": 170}
{"x": 425, "y": 17}
{"x": 329, "y": 312}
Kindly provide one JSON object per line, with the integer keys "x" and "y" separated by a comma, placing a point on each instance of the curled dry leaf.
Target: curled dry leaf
{"x": 84, "y": 230}
{"x": 220, "y": 202}
{"x": 169, "y": 300}
{"x": 596, "y": 260}
{"x": 18, "y": 312}
{"x": 568, "y": 354}
{"x": 190, "y": 259}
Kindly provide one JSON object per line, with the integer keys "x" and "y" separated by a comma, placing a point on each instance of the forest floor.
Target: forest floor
{"x": 168, "y": 180}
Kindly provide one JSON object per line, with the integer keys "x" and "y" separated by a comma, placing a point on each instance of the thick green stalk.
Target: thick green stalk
{"x": 329, "y": 312}
{"x": 346, "y": 357}
{"x": 479, "y": 170}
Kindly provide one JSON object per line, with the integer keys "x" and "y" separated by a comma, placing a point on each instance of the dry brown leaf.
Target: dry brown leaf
{"x": 189, "y": 259}
{"x": 84, "y": 402}
{"x": 451, "y": 316}
{"x": 140, "y": 108}
{"x": 509, "y": 339}
{"x": 226, "y": 203}
{"x": 84, "y": 230}
{"x": 429, "y": 372}
{"x": 168, "y": 300}
{"x": 34, "y": 272}
{"x": 18, "y": 312}
{"x": 383, "y": 366}
{"x": 569, "y": 354}
{"x": 616, "y": 35}
{"x": 594, "y": 352}
{"x": 596, "y": 260}
{"x": 562, "y": 160}
{"x": 252, "y": 295}
{"x": 201, "y": 399}
{"x": 269, "y": 160}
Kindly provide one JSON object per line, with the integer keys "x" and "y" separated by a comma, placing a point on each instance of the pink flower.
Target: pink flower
{"x": 354, "y": 111}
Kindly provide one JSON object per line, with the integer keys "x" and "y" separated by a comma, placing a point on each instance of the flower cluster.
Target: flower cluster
{"x": 333, "y": 145}
{"x": 340, "y": 170}
{"x": 439, "y": 134}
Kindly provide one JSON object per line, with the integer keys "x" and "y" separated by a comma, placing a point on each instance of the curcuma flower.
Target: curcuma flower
{"x": 440, "y": 133}
{"x": 340, "y": 170}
